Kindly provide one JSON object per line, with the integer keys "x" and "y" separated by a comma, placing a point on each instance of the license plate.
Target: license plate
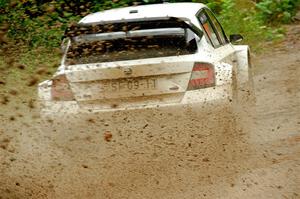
{"x": 129, "y": 85}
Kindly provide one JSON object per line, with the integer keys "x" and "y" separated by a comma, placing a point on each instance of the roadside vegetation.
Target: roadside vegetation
{"x": 35, "y": 23}
{"x": 31, "y": 30}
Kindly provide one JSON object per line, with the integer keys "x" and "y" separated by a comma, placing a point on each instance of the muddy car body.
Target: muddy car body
{"x": 165, "y": 56}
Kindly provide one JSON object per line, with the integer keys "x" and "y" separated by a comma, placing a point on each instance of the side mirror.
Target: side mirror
{"x": 236, "y": 38}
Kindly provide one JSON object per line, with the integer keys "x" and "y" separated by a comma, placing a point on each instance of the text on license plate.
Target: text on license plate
{"x": 130, "y": 84}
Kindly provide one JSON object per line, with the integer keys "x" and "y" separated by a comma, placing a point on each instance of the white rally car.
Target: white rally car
{"x": 140, "y": 57}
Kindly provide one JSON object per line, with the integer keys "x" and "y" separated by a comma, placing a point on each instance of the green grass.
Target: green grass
{"x": 243, "y": 19}
{"x": 28, "y": 66}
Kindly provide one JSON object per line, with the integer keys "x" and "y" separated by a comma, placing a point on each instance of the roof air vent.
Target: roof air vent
{"x": 133, "y": 11}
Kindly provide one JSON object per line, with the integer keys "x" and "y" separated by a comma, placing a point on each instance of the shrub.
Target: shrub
{"x": 248, "y": 23}
{"x": 280, "y": 11}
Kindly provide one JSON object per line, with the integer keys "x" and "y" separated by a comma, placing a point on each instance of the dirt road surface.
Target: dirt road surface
{"x": 143, "y": 158}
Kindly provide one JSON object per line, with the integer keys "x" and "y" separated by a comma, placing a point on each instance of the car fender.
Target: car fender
{"x": 242, "y": 53}
{"x": 245, "y": 84}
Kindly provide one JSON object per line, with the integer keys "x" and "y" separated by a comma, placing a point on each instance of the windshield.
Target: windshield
{"x": 135, "y": 44}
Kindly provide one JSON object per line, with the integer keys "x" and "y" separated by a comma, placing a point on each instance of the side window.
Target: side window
{"x": 219, "y": 29}
{"x": 208, "y": 28}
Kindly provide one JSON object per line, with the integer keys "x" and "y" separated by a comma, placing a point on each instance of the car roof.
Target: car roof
{"x": 164, "y": 10}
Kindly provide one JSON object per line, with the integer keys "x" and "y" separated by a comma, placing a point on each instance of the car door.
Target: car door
{"x": 216, "y": 37}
